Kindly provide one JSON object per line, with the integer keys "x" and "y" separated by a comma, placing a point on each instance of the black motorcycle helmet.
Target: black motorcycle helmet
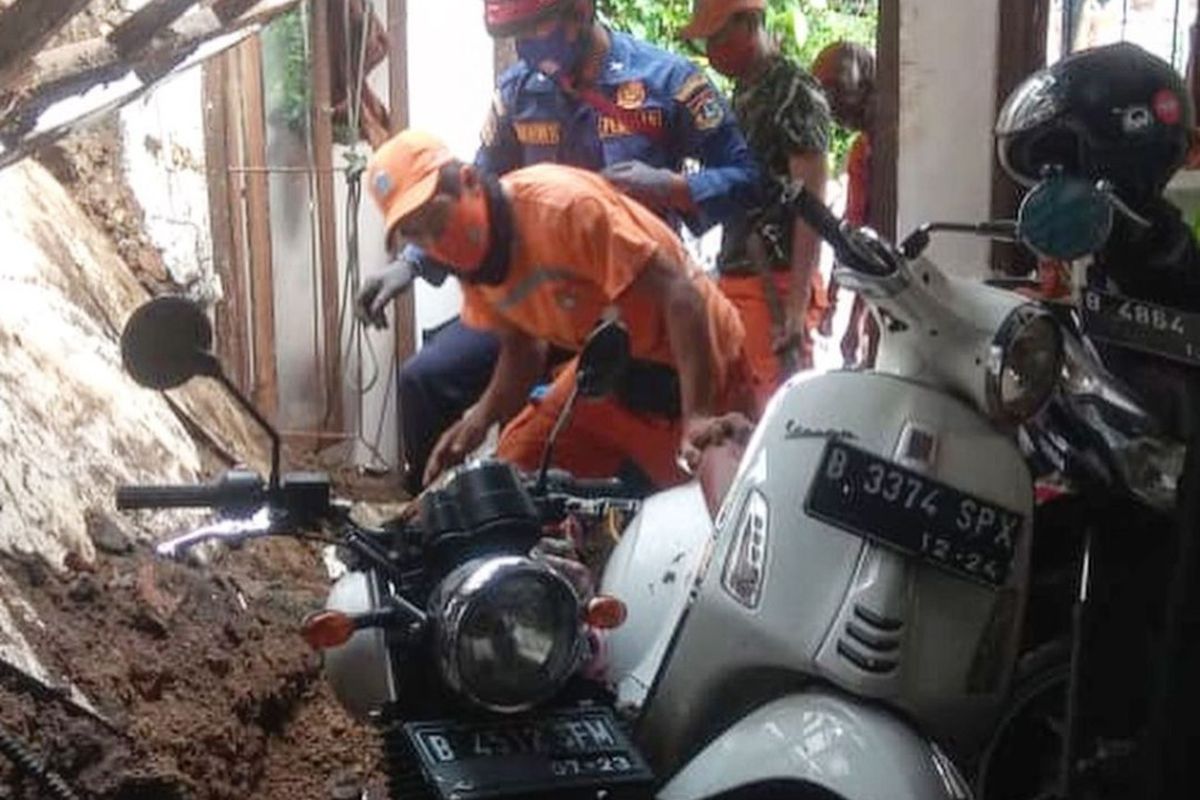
{"x": 1116, "y": 113}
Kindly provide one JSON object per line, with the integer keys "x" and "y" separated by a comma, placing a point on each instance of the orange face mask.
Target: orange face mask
{"x": 466, "y": 235}
{"x": 732, "y": 54}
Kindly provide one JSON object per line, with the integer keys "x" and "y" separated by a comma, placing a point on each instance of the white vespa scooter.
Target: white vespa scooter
{"x": 859, "y": 600}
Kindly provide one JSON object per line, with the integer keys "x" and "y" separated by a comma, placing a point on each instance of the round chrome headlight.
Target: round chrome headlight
{"x": 507, "y": 631}
{"x": 1025, "y": 364}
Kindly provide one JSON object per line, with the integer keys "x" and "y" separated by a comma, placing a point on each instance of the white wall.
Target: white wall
{"x": 450, "y": 79}
{"x": 163, "y": 140}
{"x": 947, "y": 108}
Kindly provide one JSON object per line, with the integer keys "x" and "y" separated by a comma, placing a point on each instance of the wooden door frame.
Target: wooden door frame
{"x": 1021, "y": 50}
{"x": 885, "y": 137}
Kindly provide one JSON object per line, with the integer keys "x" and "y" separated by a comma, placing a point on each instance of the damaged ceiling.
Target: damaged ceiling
{"x": 49, "y": 91}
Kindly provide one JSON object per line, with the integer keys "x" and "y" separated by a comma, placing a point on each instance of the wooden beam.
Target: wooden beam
{"x": 229, "y": 10}
{"x": 25, "y": 27}
{"x": 139, "y": 29}
{"x": 238, "y": 295}
{"x": 74, "y": 68}
{"x": 406, "y": 310}
{"x": 322, "y": 135}
{"x": 258, "y": 215}
{"x": 230, "y": 312}
{"x": 1021, "y": 50}
{"x": 885, "y": 138}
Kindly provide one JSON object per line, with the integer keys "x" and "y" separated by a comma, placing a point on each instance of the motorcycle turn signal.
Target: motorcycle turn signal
{"x": 605, "y": 612}
{"x": 327, "y": 629}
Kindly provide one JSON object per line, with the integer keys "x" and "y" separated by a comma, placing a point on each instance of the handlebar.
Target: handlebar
{"x": 235, "y": 491}
{"x": 562, "y": 483}
{"x": 859, "y": 249}
{"x": 818, "y": 216}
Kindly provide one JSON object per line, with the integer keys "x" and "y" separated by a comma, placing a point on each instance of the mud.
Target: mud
{"x": 202, "y": 687}
{"x": 89, "y": 165}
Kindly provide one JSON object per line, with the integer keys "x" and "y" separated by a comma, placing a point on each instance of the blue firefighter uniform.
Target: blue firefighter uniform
{"x": 646, "y": 105}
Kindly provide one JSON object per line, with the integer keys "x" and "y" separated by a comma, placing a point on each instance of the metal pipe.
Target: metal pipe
{"x": 283, "y": 170}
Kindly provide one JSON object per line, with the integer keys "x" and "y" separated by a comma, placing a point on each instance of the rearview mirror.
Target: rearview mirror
{"x": 1065, "y": 218}
{"x": 603, "y": 360}
{"x": 167, "y": 342}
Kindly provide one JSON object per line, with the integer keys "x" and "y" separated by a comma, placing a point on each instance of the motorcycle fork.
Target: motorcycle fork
{"x": 1079, "y": 634}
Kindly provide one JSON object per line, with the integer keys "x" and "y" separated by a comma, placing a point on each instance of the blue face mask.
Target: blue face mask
{"x": 552, "y": 54}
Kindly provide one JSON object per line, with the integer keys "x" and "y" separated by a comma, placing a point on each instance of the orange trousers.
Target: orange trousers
{"x": 748, "y": 294}
{"x": 603, "y": 434}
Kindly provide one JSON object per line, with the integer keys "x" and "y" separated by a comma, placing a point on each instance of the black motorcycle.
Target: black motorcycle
{"x": 463, "y": 651}
{"x": 1115, "y": 521}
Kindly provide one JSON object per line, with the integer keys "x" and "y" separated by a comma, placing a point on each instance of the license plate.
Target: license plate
{"x": 1138, "y": 325}
{"x": 553, "y": 754}
{"x": 882, "y": 501}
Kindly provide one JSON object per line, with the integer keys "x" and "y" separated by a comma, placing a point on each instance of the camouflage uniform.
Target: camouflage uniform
{"x": 783, "y": 113}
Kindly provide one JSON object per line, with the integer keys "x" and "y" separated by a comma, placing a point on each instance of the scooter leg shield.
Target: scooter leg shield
{"x": 823, "y": 739}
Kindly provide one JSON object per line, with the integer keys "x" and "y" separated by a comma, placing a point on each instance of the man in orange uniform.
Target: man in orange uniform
{"x": 846, "y": 71}
{"x": 544, "y": 254}
{"x": 769, "y": 258}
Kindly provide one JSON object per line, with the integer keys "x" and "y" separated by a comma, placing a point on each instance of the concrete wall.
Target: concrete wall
{"x": 163, "y": 138}
{"x": 163, "y": 141}
{"x": 947, "y": 108}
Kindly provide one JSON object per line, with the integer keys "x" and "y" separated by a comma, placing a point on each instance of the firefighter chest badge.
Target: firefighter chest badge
{"x": 631, "y": 95}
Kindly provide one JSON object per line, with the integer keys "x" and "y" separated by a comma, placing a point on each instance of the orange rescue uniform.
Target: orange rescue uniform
{"x": 748, "y": 293}
{"x": 578, "y": 247}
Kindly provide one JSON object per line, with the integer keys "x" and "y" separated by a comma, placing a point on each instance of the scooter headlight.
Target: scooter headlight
{"x": 1025, "y": 363}
{"x": 507, "y": 631}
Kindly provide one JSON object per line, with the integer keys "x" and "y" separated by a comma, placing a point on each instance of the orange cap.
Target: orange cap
{"x": 403, "y": 173}
{"x": 709, "y": 16}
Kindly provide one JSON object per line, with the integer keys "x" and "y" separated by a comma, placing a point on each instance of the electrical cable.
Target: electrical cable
{"x": 355, "y": 81}
{"x": 27, "y": 764}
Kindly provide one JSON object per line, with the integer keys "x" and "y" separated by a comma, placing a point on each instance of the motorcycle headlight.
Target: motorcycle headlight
{"x": 507, "y": 631}
{"x": 1025, "y": 363}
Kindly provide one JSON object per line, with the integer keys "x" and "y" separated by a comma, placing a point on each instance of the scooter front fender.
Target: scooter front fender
{"x": 821, "y": 739}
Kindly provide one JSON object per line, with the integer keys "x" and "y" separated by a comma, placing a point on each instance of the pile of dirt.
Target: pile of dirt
{"x": 202, "y": 687}
{"x": 199, "y": 684}
{"x": 89, "y": 165}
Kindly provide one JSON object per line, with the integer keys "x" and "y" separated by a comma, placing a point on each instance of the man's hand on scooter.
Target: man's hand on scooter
{"x": 701, "y": 433}
{"x": 560, "y": 554}
{"x": 462, "y": 438}
{"x": 380, "y": 288}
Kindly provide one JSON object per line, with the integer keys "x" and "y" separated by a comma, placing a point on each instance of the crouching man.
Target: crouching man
{"x": 544, "y": 254}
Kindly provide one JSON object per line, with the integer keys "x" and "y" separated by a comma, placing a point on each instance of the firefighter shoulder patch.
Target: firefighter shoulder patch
{"x": 700, "y": 98}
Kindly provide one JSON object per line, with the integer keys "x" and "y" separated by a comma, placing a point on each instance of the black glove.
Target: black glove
{"x": 379, "y": 289}
{"x": 651, "y": 186}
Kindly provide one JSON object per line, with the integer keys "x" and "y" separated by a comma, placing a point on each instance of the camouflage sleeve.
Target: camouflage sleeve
{"x": 802, "y": 114}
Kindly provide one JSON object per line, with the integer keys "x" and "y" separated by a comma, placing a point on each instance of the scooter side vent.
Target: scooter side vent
{"x": 871, "y": 641}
